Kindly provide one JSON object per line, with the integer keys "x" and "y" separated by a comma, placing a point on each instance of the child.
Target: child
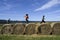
{"x": 43, "y": 20}
{"x": 26, "y": 18}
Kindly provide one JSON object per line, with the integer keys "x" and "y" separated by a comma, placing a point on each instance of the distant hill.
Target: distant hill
{"x": 3, "y": 21}
{"x": 10, "y": 21}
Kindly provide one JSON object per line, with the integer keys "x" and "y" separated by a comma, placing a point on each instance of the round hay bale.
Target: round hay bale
{"x": 19, "y": 28}
{"x": 30, "y": 29}
{"x": 7, "y": 29}
{"x": 44, "y": 29}
{"x": 0, "y": 31}
{"x": 1, "y": 25}
{"x": 56, "y": 29}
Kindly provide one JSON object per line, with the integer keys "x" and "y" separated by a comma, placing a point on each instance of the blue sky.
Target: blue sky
{"x": 16, "y": 9}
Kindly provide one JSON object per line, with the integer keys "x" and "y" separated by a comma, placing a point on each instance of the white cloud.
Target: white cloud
{"x": 48, "y": 5}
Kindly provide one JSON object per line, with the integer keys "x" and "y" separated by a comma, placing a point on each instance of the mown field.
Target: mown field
{"x": 29, "y": 37}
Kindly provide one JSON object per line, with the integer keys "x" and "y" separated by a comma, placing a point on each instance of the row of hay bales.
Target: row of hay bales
{"x": 31, "y": 28}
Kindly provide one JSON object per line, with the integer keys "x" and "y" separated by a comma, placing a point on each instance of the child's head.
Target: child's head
{"x": 26, "y": 14}
{"x": 43, "y": 15}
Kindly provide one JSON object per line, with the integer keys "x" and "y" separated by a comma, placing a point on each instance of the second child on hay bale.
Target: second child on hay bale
{"x": 26, "y": 18}
{"x": 43, "y": 19}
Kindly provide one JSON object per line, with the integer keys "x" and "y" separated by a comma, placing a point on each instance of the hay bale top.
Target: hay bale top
{"x": 30, "y": 24}
{"x": 52, "y": 25}
{"x": 55, "y": 24}
{"x": 38, "y": 24}
{"x": 6, "y": 25}
{"x": 19, "y": 24}
{"x": 44, "y": 24}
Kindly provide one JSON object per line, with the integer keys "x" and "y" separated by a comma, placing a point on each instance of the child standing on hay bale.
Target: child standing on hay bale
{"x": 26, "y": 18}
{"x": 43, "y": 20}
